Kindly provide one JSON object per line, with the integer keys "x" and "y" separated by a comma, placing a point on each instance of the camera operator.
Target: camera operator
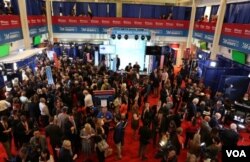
{"x": 167, "y": 151}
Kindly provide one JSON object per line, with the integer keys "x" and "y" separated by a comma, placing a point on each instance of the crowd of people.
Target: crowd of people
{"x": 67, "y": 113}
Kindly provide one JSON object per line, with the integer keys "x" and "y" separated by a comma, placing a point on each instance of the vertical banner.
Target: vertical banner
{"x": 56, "y": 61}
{"x": 49, "y": 75}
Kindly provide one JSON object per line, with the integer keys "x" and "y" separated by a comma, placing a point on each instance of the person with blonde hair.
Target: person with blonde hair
{"x": 66, "y": 154}
{"x": 194, "y": 146}
{"x": 86, "y": 135}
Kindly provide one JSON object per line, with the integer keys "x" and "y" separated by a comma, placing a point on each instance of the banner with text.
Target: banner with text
{"x": 37, "y": 25}
{"x": 236, "y": 36}
{"x": 100, "y": 25}
{"x": 10, "y": 28}
{"x": 204, "y": 31}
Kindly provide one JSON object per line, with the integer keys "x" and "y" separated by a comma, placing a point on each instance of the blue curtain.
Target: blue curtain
{"x": 85, "y": 7}
{"x": 231, "y": 13}
{"x": 214, "y": 10}
{"x": 94, "y": 8}
{"x": 36, "y": 8}
{"x": 41, "y": 3}
{"x": 80, "y": 8}
{"x": 188, "y": 13}
{"x": 131, "y": 10}
{"x": 147, "y": 11}
{"x": 179, "y": 13}
{"x": 243, "y": 16}
{"x": 112, "y": 10}
{"x": 14, "y": 4}
{"x": 199, "y": 12}
{"x": 102, "y": 10}
{"x": 67, "y": 8}
{"x": 29, "y": 7}
{"x": 56, "y": 8}
{"x": 162, "y": 10}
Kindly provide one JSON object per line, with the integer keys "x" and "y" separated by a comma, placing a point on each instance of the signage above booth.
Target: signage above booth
{"x": 37, "y": 25}
{"x": 204, "y": 31}
{"x": 100, "y": 25}
{"x": 10, "y": 28}
{"x": 236, "y": 36}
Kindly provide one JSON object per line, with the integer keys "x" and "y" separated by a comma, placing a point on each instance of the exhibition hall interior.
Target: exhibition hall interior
{"x": 124, "y": 80}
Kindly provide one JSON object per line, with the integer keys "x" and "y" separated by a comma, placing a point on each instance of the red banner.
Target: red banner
{"x": 9, "y": 22}
{"x": 120, "y": 22}
{"x": 205, "y": 26}
{"x": 236, "y": 30}
{"x": 37, "y": 21}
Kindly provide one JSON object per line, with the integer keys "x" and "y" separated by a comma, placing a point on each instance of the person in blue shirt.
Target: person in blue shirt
{"x": 107, "y": 118}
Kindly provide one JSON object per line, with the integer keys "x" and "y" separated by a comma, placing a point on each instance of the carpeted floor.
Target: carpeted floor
{"x": 131, "y": 146}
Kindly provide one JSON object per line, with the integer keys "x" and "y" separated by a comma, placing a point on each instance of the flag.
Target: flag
{"x": 49, "y": 75}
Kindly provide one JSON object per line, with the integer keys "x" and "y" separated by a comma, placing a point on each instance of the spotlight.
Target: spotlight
{"x": 15, "y": 66}
{"x": 213, "y": 64}
{"x": 148, "y": 37}
{"x": 126, "y": 36}
{"x": 136, "y": 37}
{"x": 113, "y": 36}
{"x": 142, "y": 37}
{"x": 119, "y": 36}
{"x": 20, "y": 50}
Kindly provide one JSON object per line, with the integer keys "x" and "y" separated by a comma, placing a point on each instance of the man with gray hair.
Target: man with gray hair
{"x": 192, "y": 109}
{"x": 215, "y": 120}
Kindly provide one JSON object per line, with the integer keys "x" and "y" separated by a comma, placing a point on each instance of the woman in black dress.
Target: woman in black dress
{"x": 100, "y": 135}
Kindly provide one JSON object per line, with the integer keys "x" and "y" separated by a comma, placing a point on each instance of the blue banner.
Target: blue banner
{"x": 208, "y": 37}
{"x": 49, "y": 75}
{"x": 104, "y": 30}
{"x": 241, "y": 44}
{"x": 10, "y": 35}
{"x": 38, "y": 30}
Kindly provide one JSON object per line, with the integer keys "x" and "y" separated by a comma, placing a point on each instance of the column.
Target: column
{"x": 119, "y": 8}
{"x": 218, "y": 29}
{"x": 191, "y": 25}
{"x": 49, "y": 19}
{"x": 24, "y": 23}
{"x": 180, "y": 53}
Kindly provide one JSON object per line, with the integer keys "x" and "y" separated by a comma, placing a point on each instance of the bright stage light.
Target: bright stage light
{"x": 213, "y": 64}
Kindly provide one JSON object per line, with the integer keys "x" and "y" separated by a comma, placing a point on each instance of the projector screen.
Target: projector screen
{"x": 130, "y": 51}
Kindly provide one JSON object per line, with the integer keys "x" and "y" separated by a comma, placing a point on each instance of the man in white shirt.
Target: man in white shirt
{"x": 88, "y": 102}
{"x": 164, "y": 77}
{"x": 44, "y": 112}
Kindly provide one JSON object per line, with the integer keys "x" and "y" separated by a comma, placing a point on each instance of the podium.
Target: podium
{"x": 103, "y": 98}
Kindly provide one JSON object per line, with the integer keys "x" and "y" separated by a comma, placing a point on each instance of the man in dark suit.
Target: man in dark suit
{"x": 5, "y": 135}
{"x": 118, "y": 63}
{"x": 54, "y": 132}
{"x": 25, "y": 130}
{"x": 230, "y": 137}
{"x": 192, "y": 108}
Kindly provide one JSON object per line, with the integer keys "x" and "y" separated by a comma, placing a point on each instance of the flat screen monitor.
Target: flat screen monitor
{"x": 107, "y": 49}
